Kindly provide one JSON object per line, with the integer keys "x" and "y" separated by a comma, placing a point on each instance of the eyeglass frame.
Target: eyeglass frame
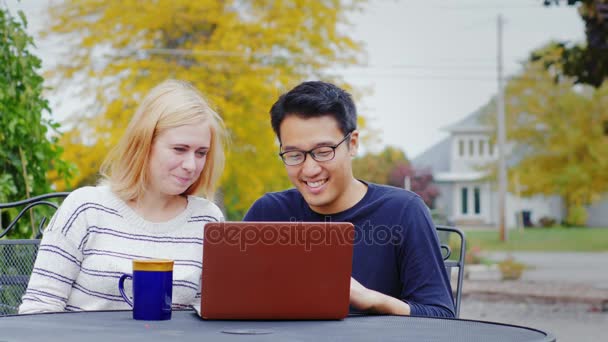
{"x": 306, "y": 153}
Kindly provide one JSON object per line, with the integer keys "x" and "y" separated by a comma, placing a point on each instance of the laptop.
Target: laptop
{"x": 276, "y": 270}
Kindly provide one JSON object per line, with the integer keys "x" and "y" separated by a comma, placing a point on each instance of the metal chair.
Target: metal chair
{"x": 445, "y": 234}
{"x": 17, "y": 256}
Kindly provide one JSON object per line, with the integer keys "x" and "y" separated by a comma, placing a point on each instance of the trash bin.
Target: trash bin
{"x": 526, "y": 218}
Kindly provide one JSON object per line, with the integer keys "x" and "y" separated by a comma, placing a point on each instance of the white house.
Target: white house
{"x": 467, "y": 198}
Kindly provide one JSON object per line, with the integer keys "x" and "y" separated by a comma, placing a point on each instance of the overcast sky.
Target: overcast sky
{"x": 430, "y": 63}
{"x": 433, "y": 62}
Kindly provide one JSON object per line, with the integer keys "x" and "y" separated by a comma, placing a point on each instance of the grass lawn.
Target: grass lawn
{"x": 555, "y": 239}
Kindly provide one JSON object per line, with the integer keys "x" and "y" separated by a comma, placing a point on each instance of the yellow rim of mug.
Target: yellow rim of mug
{"x": 153, "y": 265}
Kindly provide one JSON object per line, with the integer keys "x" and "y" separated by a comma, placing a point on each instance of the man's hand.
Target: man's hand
{"x": 364, "y": 299}
{"x": 361, "y": 298}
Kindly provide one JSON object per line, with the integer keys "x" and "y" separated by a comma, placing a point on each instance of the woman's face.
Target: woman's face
{"x": 177, "y": 158}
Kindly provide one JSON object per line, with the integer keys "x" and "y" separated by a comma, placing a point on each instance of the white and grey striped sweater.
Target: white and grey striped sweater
{"x": 91, "y": 241}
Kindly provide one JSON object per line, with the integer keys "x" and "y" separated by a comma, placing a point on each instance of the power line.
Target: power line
{"x": 472, "y": 8}
{"x": 429, "y": 66}
{"x": 221, "y": 53}
{"x": 424, "y": 78}
{"x": 480, "y": 6}
{"x": 499, "y": 5}
{"x": 485, "y": 4}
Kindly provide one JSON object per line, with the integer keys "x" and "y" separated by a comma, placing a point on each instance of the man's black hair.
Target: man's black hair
{"x": 315, "y": 99}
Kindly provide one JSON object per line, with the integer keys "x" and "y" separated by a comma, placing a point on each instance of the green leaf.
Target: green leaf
{"x": 22, "y": 126}
{"x": 23, "y": 18}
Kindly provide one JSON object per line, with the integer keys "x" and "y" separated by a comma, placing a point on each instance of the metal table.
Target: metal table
{"x": 187, "y": 326}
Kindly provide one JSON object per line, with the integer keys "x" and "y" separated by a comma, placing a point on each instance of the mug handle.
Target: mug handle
{"x": 121, "y": 288}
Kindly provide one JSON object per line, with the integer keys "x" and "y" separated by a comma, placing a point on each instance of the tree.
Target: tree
{"x": 376, "y": 167}
{"x": 240, "y": 54}
{"x": 28, "y": 135}
{"x": 421, "y": 181}
{"x": 588, "y": 63}
{"x": 556, "y": 127}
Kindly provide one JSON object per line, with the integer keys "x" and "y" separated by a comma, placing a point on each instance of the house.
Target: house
{"x": 466, "y": 196}
{"x": 598, "y": 213}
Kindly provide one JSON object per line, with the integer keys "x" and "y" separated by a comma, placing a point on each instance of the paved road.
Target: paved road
{"x": 567, "y": 322}
{"x": 568, "y": 267}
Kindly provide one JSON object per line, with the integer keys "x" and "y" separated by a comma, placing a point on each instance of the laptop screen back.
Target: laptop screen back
{"x": 276, "y": 270}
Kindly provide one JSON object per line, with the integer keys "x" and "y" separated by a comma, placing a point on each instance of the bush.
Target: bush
{"x": 577, "y": 216}
{"x": 511, "y": 269}
{"x": 546, "y": 221}
{"x": 473, "y": 256}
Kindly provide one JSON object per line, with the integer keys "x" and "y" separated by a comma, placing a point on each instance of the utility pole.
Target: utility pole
{"x": 502, "y": 171}
{"x": 407, "y": 183}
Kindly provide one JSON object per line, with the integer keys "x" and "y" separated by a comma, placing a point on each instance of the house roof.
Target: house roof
{"x": 471, "y": 123}
{"x": 436, "y": 157}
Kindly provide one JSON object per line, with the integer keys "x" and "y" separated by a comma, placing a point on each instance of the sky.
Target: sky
{"x": 429, "y": 63}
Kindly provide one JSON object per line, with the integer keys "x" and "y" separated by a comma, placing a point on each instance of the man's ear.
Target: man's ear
{"x": 354, "y": 143}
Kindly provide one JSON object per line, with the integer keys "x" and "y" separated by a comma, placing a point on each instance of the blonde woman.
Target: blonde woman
{"x": 145, "y": 207}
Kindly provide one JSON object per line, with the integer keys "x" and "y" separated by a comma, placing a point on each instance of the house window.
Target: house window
{"x": 471, "y": 147}
{"x": 465, "y": 201}
{"x": 490, "y": 148}
{"x": 477, "y": 200}
{"x": 481, "y": 146}
{"x": 461, "y": 147}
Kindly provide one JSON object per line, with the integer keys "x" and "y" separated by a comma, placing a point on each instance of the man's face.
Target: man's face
{"x": 324, "y": 185}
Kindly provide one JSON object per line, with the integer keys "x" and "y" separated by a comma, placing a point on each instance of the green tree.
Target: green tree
{"x": 377, "y": 167}
{"x": 559, "y": 146}
{"x": 28, "y": 136}
{"x": 240, "y": 54}
{"x": 586, "y": 63}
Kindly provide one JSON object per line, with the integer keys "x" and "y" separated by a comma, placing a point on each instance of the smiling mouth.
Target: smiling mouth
{"x": 317, "y": 183}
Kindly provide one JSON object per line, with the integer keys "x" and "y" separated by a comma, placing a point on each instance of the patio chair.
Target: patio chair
{"x": 446, "y": 239}
{"x": 17, "y": 256}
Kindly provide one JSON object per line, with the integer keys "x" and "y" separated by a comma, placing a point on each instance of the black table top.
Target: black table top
{"x": 115, "y": 326}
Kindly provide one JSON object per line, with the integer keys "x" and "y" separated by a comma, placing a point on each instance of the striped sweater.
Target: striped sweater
{"x": 91, "y": 241}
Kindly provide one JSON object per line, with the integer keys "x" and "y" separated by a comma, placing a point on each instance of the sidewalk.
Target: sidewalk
{"x": 551, "y": 278}
{"x": 563, "y": 267}
{"x": 543, "y": 292}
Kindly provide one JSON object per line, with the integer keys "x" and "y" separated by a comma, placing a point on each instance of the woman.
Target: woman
{"x": 144, "y": 208}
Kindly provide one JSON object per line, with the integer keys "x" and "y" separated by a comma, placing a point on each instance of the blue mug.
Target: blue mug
{"x": 152, "y": 289}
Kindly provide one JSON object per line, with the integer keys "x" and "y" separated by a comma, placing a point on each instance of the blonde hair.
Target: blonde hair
{"x": 168, "y": 105}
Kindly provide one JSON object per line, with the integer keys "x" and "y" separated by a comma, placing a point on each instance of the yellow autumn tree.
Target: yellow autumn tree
{"x": 557, "y": 133}
{"x": 240, "y": 54}
{"x": 377, "y": 167}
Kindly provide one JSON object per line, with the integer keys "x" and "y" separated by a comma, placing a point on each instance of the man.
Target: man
{"x": 397, "y": 263}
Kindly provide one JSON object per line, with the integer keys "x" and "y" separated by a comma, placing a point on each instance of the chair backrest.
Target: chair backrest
{"x": 450, "y": 237}
{"x": 17, "y": 256}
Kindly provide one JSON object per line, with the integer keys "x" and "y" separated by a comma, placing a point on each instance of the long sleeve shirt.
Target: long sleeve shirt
{"x": 93, "y": 238}
{"x": 396, "y": 248}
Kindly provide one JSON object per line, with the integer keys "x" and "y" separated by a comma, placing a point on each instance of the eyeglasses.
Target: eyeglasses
{"x": 320, "y": 154}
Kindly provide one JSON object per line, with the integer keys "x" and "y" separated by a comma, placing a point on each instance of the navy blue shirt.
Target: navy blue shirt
{"x": 396, "y": 249}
